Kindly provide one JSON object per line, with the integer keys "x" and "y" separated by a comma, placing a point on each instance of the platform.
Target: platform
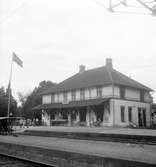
{"x": 122, "y": 135}
{"x": 103, "y": 130}
{"x": 131, "y": 152}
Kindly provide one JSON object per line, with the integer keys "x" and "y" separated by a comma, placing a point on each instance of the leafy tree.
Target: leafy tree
{"x": 33, "y": 99}
{"x": 4, "y": 103}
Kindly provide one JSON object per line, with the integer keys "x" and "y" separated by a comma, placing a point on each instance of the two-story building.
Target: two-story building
{"x": 101, "y": 95}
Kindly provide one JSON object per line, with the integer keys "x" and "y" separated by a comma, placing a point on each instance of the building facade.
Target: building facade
{"x": 97, "y": 97}
{"x": 154, "y": 115}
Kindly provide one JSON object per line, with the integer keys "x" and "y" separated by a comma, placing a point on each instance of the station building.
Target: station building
{"x": 154, "y": 115}
{"x": 97, "y": 97}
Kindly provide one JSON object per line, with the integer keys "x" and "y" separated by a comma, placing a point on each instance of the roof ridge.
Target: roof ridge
{"x": 96, "y": 76}
{"x": 123, "y": 75}
{"x": 80, "y": 73}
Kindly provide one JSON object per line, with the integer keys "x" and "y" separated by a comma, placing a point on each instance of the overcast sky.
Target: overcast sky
{"x": 54, "y": 37}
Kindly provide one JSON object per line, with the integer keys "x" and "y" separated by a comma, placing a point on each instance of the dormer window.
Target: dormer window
{"x": 99, "y": 91}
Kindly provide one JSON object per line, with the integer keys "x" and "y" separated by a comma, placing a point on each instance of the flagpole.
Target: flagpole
{"x": 9, "y": 89}
{"x": 20, "y": 63}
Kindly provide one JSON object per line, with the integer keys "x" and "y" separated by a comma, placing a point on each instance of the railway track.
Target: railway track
{"x": 60, "y": 157}
{"x": 34, "y": 163}
{"x": 133, "y": 139}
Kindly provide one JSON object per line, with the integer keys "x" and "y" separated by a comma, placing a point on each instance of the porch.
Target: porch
{"x": 80, "y": 113}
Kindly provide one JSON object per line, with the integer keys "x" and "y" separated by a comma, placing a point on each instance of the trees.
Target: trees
{"x": 28, "y": 101}
{"x": 33, "y": 99}
{"x": 4, "y": 103}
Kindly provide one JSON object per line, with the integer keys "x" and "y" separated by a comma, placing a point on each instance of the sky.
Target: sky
{"x": 53, "y": 38}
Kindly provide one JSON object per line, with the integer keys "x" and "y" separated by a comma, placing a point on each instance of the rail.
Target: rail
{"x": 22, "y": 159}
{"x": 121, "y": 138}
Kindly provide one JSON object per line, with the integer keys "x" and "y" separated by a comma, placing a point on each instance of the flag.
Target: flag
{"x": 16, "y": 59}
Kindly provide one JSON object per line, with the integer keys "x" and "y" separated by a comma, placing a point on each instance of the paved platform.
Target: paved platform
{"x": 132, "y": 152}
{"x": 104, "y": 130}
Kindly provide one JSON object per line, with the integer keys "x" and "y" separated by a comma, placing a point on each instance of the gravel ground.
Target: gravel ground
{"x": 132, "y": 152}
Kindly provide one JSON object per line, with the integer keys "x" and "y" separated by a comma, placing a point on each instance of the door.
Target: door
{"x": 83, "y": 115}
{"x": 142, "y": 117}
{"x": 140, "y": 120}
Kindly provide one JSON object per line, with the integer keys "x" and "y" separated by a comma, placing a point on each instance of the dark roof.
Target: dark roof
{"x": 96, "y": 77}
{"x": 72, "y": 104}
{"x": 42, "y": 89}
{"x": 154, "y": 105}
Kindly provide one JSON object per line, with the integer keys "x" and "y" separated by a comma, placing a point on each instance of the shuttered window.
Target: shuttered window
{"x": 52, "y": 98}
{"x": 130, "y": 114}
{"x": 99, "y": 91}
{"x": 65, "y": 99}
{"x": 122, "y": 92}
{"x": 82, "y": 94}
{"x": 122, "y": 113}
{"x": 73, "y": 94}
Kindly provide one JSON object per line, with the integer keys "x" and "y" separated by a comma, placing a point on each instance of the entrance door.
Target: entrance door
{"x": 83, "y": 115}
{"x": 142, "y": 117}
{"x": 99, "y": 114}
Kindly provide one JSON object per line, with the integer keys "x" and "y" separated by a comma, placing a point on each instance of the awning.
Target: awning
{"x": 72, "y": 104}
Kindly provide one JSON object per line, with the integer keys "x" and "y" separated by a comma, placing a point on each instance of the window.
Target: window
{"x": 90, "y": 93}
{"x": 140, "y": 121}
{"x": 52, "y": 115}
{"x": 52, "y": 98}
{"x": 99, "y": 91}
{"x": 130, "y": 114}
{"x": 106, "y": 119}
{"x": 82, "y": 94}
{"x": 122, "y": 92}
{"x": 73, "y": 94}
{"x": 58, "y": 97}
{"x": 73, "y": 116}
{"x": 64, "y": 115}
{"x": 144, "y": 116}
{"x": 65, "y": 99}
{"x": 122, "y": 114}
{"x": 46, "y": 99}
{"x": 141, "y": 95}
{"x": 139, "y": 109}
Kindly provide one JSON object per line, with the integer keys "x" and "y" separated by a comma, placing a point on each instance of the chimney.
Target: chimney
{"x": 109, "y": 63}
{"x": 81, "y": 68}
